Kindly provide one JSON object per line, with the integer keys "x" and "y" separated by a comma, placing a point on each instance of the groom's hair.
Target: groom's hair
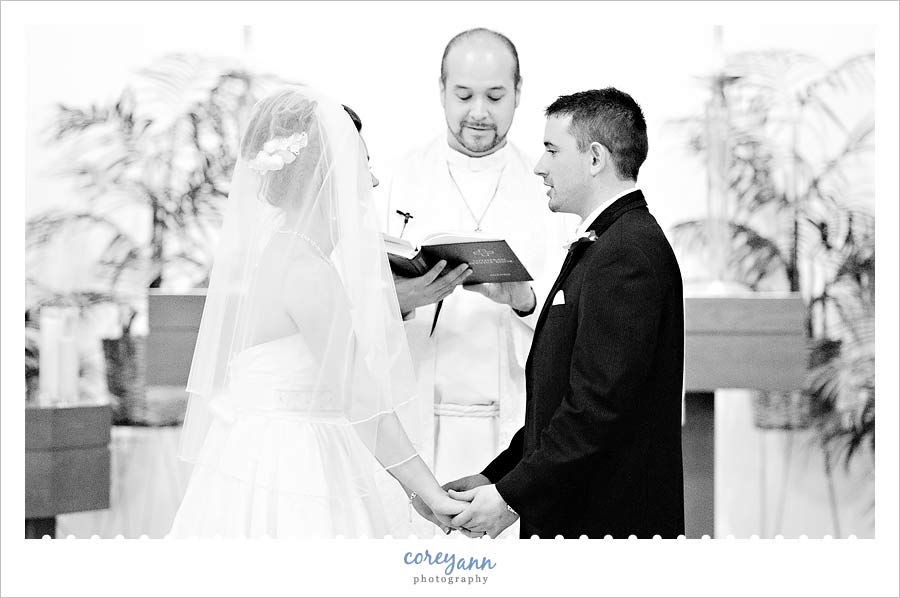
{"x": 481, "y": 31}
{"x": 609, "y": 117}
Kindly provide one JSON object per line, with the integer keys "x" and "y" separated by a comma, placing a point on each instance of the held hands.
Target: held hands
{"x": 487, "y": 513}
{"x": 467, "y": 483}
{"x": 425, "y": 512}
{"x": 429, "y": 288}
{"x": 461, "y": 485}
{"x": 441, "y": 509}
{"x": 517, "y": 295}
{"x": 484, "y": 511}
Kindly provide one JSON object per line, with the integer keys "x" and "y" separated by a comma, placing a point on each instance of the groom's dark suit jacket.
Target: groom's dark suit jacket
{"x": 600, "y": 452}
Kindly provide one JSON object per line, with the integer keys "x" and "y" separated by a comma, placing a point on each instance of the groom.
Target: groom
{"x": 600, "y": 452}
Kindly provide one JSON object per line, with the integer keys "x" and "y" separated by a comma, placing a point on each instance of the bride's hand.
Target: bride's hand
{"x": 447, "y": 507}
{"x": 442, "y": 521}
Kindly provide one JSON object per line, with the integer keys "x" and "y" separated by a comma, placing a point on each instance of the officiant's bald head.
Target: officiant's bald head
{"x": 482, "y": 39}
{"x": 480, "y": 84}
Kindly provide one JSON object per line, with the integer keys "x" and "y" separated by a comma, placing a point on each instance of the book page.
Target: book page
{"x": 445, "y": 238}
{"x": 398, "y": 246}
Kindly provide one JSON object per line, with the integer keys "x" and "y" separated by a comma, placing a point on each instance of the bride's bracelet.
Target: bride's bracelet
{"x": 412, "y": 497}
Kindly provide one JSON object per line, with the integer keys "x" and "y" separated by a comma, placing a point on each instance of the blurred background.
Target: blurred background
{"x": 761, "y": 171}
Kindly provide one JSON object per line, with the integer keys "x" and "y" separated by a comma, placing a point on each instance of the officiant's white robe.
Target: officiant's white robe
{"x": 471, "y": 371}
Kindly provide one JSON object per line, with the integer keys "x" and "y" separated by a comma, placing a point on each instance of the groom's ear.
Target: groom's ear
{"x": 600, "y": 157}
{"x": 518, "y": 91}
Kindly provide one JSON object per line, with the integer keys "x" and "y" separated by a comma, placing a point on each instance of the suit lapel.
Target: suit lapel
{"x": 622, "y": 205}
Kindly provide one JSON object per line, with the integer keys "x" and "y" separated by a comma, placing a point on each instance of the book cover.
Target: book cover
{"x": 491, "y": 259}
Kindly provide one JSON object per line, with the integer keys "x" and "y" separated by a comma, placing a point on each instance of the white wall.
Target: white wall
{"x": 372, "y": 59}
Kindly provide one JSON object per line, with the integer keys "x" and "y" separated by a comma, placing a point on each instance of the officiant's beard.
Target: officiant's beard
{"x": 485, "y": 145}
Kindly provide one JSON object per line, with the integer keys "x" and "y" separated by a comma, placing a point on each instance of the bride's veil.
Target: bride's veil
{"x": 301, "y": 256}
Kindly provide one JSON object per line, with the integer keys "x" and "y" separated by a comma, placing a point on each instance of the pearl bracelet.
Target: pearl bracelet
{"x": 412, "y": 497}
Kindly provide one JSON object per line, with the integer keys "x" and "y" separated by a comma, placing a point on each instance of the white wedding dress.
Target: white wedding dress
{"x": 279, "y": 459}
{"x": 301, "y": 384}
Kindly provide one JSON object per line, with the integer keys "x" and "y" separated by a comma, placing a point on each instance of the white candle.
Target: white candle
{"x": 51, "y": 330}
{"x": 68, "y": 370}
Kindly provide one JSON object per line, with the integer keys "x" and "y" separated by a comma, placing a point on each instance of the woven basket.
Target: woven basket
{"x": 782, "y": 410}
{"x": 32, "y": 389}
{"x": 134, "y": 404}
{"x": 125, "y": 377}
{"x": 165, "y": 405}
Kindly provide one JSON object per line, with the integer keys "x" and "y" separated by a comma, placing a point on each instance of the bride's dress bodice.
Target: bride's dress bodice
{"x": 276, "y": 376}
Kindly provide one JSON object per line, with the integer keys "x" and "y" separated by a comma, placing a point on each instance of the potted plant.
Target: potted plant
{"x": 32, "y": 357}
{"x": 161, "y": 155}
{"x": 795, "y": 161}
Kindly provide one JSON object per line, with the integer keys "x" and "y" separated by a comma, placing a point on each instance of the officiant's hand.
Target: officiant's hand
{"x": 429, "y": 288}
{"x": 488, "y": 512}
{"x": 517, "y": 295}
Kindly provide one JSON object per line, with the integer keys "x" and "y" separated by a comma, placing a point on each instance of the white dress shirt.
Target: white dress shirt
{"x": 582, "y": 228}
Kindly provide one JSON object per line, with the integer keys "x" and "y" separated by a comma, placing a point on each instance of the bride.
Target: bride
{"x": 301, "y": 372}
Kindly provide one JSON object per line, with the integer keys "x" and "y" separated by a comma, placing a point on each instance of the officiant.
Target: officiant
{"x": 470, "y": 360}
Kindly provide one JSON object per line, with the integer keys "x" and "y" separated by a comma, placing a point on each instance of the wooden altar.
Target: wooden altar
{"x": 66, "y": 463}
{"x": 753, "y": 340}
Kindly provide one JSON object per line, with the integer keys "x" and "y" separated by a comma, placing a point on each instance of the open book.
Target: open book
{"x": 491, "y": 259}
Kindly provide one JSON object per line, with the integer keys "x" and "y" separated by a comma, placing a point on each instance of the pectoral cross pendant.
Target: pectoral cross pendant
{"x": 466, "y": 202}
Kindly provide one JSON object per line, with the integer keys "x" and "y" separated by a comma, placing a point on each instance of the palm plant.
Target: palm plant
{"x": 800, "y": 137}
{"x": 152, "y": 169}
{"x": 162, "y": 152}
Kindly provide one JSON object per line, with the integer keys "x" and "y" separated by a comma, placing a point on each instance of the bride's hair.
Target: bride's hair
{"x": 302, "y": 153}
{"x": 283, "y": 142}
{"x": 357, "y": 121}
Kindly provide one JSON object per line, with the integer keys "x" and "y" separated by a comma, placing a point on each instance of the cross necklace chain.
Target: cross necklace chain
{"x": 465, "y": 201}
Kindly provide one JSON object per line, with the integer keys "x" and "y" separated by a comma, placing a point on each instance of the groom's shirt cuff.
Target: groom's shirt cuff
{"x": 523, "y": 491}
{"x": 509, "y": 506}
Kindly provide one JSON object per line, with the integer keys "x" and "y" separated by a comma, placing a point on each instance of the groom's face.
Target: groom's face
{"x": 479, "y": 96}
{"x": 564, "y": 168}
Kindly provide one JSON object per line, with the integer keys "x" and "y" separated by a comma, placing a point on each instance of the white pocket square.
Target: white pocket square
{"x": 559, "y": 298}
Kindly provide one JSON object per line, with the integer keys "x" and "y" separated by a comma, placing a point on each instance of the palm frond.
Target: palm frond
{"x": 167, "y": 146}
{"x": 801, "y": 141}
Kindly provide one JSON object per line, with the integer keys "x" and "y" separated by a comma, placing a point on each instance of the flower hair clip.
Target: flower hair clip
{"x": 585, "y": 237}
{"x": 278, "y": 151}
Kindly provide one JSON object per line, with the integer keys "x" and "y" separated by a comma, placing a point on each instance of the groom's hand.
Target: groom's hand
{"x": 488, "y": 512}
{"x": 461, "y": 485}
{"x": 467, "y": 483}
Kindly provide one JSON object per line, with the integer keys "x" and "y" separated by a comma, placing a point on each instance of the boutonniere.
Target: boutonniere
{"x": 585, "y": 237}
